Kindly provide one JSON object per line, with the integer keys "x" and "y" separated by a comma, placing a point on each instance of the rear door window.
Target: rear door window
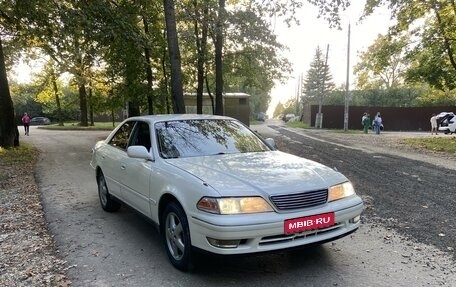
{"x": 120, "y": 139}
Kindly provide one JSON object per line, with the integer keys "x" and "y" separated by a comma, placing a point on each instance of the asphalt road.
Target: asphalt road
{"x": 400, "y": 243}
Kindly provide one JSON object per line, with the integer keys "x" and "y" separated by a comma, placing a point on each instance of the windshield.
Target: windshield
{"x": 191, "y": 138}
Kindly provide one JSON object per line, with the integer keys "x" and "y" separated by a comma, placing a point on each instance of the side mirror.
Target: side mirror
{"x": 271, "y": 143}
{"x": 139, "y": 151}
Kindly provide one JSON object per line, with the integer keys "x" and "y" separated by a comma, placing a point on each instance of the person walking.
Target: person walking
{"x": 366, "y": 122}
{"x": 433, "y": 121}
{"x": 378, "y": 123}
{"x": 26, "y": 123}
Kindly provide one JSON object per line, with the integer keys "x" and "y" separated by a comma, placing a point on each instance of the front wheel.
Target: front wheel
{"x": 176, "y": 235}
{"x": 106, "y": 201}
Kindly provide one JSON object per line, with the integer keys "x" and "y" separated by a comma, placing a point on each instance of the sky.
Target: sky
{"x": 303, "y": 40}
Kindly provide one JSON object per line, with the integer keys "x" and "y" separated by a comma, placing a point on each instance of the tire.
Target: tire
{"x": 106, "y": 201}
{"x": 176, "y": 236}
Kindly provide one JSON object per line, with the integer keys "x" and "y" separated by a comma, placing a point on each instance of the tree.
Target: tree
{"x": 383, "y": 64}
{"x": 289, "y": 107}
{"x": 431, "y": 24}
{"x": 253, "y": 61}
{"x": 9, "y": 135}
{"x": 318, "y": 81}
{"x": 174, "y": 57}
{"x": 278, "y": 110}
{"x": 50, "y": 89}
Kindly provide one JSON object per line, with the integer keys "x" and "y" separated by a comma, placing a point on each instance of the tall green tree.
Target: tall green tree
{"x": 174, "y": 57}
{"x": 432, "y": 25}
{"x": 383, "y": 64}
{"x": 50, "y": 89}
{"x": 318, "y": 81}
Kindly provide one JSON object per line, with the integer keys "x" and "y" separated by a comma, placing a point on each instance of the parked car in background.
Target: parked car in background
{"x": 261, "y": 116}
{"x": 446, "y": 122}
{"x": 210, "y": 183}
{"x": 40, "y": 121}
{"x": 288, "y": 117}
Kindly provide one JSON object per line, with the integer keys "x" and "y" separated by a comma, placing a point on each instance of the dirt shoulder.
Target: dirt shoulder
{"x": 390, "y": 143}
{"x": 28, "y": 255}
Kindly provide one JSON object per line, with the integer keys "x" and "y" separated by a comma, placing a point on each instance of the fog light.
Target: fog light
{"x": 223, "y": 243}
{"x": 355, "y": 219}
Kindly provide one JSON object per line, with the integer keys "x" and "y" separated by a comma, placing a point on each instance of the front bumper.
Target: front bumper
{"x": 269, "y": 235}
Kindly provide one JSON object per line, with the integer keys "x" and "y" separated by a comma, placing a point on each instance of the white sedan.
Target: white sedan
{"x": 210, "y": 183}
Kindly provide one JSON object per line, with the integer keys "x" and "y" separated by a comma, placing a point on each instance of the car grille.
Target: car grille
{"x": 300, "y": 200}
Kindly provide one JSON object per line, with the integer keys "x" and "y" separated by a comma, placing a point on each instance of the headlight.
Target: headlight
{"x": 340, "y": 191}
{"x": 233, "y": 205}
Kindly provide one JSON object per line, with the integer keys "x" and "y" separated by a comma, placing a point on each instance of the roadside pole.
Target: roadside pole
{"x": 347, "y": 83}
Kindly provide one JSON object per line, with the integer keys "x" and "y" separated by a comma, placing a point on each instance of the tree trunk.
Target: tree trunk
{"x": 149, "y": 76}
{"x": 57, "y": 99}
{"x": 201, "y": 49}
{"x": 174, "y": 58}
{"x": 90, "y": 105}
{"x": 83, "y": 105}
{"x": 9, "y": 134}
{"x": 218, "y": 59}
{"x": 208, "y": 88}
{"x": 133, "y": 109}
{"x": 81, "y": 80}
{"x": 164, "y": 95}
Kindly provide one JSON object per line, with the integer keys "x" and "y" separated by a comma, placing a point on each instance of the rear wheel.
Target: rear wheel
{"x": 106, "y": 201}
{"x": 176, "y": 236}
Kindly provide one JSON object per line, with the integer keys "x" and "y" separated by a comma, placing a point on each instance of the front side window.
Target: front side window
{"x": 190, "y": 138}
{"x": 120, "y": 139}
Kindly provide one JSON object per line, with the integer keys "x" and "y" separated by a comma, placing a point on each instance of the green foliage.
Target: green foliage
{"x": 382, "y": 65}
{"x": 278, "y": 110}
{"x": 431, "y": 50}
{"x": 288, "y": 108}
{"x": 16, "y": 155}
{"x": 298, "y": 124}
{"x": 429, "y": 66}
{"x": 103, "y": 45}
{"x": 252, "y": 59}
{"x": 102, "y": 126}
{"x": 23, "y": 96}
{"x": 399, "y": 97}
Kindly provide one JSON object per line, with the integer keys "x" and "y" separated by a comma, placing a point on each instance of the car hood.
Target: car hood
{"x": 265, "y": 173}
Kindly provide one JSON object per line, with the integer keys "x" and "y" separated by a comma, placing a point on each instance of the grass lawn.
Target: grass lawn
{"x": 20, "y": 154}
{"x": 442, "y": 144}
{"x": 75, "y": 126}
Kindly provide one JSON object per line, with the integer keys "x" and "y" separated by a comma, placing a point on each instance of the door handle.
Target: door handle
{"x": 122, "y": 167}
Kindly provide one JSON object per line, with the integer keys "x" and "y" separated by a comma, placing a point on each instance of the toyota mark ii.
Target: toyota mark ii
{"x": 212, "y": 184}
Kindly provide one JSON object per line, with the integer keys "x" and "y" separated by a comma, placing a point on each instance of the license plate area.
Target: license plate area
{"x": 312, "y": 222}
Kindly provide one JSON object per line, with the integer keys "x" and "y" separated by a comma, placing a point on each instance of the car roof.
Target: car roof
{"x": 176, "y": 117}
